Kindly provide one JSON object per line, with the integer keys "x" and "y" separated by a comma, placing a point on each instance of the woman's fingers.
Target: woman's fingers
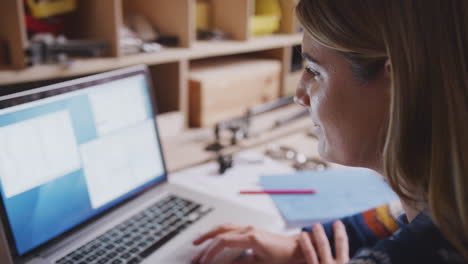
{"x": 228, "y": 240}
{"x": 341, "y": 242}
{"x": 217, "y": 232}
{"x": 308, "y": 249}
{"x": 322, "y": 244}
{"x": 214, "y": 232}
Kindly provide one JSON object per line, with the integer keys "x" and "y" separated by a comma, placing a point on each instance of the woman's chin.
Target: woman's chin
{"x": 327, "y": 154}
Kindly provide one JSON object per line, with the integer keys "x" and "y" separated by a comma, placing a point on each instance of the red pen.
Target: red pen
{"x": 309, "y": 191}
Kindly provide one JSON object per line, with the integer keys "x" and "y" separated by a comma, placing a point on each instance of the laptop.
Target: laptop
{"x": 83, "y": 179}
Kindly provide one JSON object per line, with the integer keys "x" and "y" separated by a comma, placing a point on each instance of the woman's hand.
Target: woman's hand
{"x": 266, "y": 247}
{"x": 319, "y": 248}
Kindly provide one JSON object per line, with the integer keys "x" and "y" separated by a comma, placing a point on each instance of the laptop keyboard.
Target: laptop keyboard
{"x": 138, "y": 237}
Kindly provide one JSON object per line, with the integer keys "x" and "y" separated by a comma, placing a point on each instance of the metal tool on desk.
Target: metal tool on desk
{"x": 261, "y": 109}
{"x": 239, "y": 127}
{"x": 225, "y": 162}
{"x": 300, "y": 160}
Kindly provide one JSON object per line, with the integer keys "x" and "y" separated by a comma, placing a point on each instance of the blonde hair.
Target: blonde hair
{"x": 427, "y": 133}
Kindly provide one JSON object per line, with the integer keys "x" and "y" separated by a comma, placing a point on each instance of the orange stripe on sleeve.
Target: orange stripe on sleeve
{"x": 370, "y": 219}
{"x": 383, "y": 215}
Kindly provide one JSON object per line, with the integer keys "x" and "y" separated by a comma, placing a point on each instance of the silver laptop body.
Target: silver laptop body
{"x": 82, "y": 158}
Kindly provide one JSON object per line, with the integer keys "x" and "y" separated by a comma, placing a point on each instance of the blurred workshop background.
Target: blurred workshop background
{"x": 224, "y": 70}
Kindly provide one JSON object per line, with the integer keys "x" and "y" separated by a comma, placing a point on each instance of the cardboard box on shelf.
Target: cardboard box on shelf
{"x": 225, "y": 88}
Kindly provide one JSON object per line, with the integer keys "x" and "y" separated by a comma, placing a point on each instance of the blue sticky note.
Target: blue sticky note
{"x": 340, "y": 193}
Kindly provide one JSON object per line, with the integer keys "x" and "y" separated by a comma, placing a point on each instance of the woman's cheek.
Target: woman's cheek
{"x": 318, "y": 106}
{"x": 323, "y": 115}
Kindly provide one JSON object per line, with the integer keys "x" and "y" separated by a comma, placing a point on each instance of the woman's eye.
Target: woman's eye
{"x": 312, "y": 72}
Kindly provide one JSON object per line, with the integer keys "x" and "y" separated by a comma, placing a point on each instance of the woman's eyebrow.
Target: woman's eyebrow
{"x": 309, "y": 58}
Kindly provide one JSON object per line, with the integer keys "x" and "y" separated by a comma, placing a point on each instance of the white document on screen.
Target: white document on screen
{"x": 36, "y": 151}
{"x": 118, "y": 163}
{"x": 118, "y": 104}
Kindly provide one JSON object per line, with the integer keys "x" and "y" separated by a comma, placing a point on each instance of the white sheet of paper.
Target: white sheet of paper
{"x": 245, "y": 175}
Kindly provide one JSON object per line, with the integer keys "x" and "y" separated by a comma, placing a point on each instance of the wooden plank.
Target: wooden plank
{"x": 232, "y": 16}
{"x": 97, "y": 20}
{"x": 195, "y": 106}
{"x": 170, "y": 83}
{"x": 201, "y": 49}
{"x": 192, "y": 29}
{"x": 284, "y": 56}
{"x": 13, "y": 33}
{"x": 289, "y": 23}
{"x": 166, "y": 82}
{"x": 4, "y": 57}
{"x": 204, "y": 49}
{"x": 183, "y": 92}
{"x": 172, "y": 17}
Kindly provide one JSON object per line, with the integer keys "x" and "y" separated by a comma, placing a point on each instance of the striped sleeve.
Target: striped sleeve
{"x": 367, "y": 228}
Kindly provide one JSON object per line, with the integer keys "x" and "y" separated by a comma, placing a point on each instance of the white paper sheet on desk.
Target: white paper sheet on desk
{"x": 340, "y": 193}
{"x": 243, "y": 176}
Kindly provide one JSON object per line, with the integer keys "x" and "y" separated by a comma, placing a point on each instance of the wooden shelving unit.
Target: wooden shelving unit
{"x": 101, "y": 20}
{"x": 12, "y": 35}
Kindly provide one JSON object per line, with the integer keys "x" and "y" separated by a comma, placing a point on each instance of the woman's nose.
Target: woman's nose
{"x": 302, "y": 101}
{"x": 302, "y": 98}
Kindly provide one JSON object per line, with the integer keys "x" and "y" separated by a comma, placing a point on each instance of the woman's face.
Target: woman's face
{"x": 349, "y": 115}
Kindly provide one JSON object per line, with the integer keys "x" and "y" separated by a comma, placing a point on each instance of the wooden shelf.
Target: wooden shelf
{"x": 169, "y": 68}
{"x": 204, "y": 49}
{"x": 12, "y": 34}
{"x": 201, "y": 49}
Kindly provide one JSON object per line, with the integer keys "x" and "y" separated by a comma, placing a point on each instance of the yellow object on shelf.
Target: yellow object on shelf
{"x": 267, "y": 17}
{"x": 203, "y": 15}
{"x": 50, "y": 8}
{"x": 267, "y": 7}
{"x": 264, "y": 25}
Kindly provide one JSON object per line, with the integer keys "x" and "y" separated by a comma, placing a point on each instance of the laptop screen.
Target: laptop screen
{"x": 70, "y": 152}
